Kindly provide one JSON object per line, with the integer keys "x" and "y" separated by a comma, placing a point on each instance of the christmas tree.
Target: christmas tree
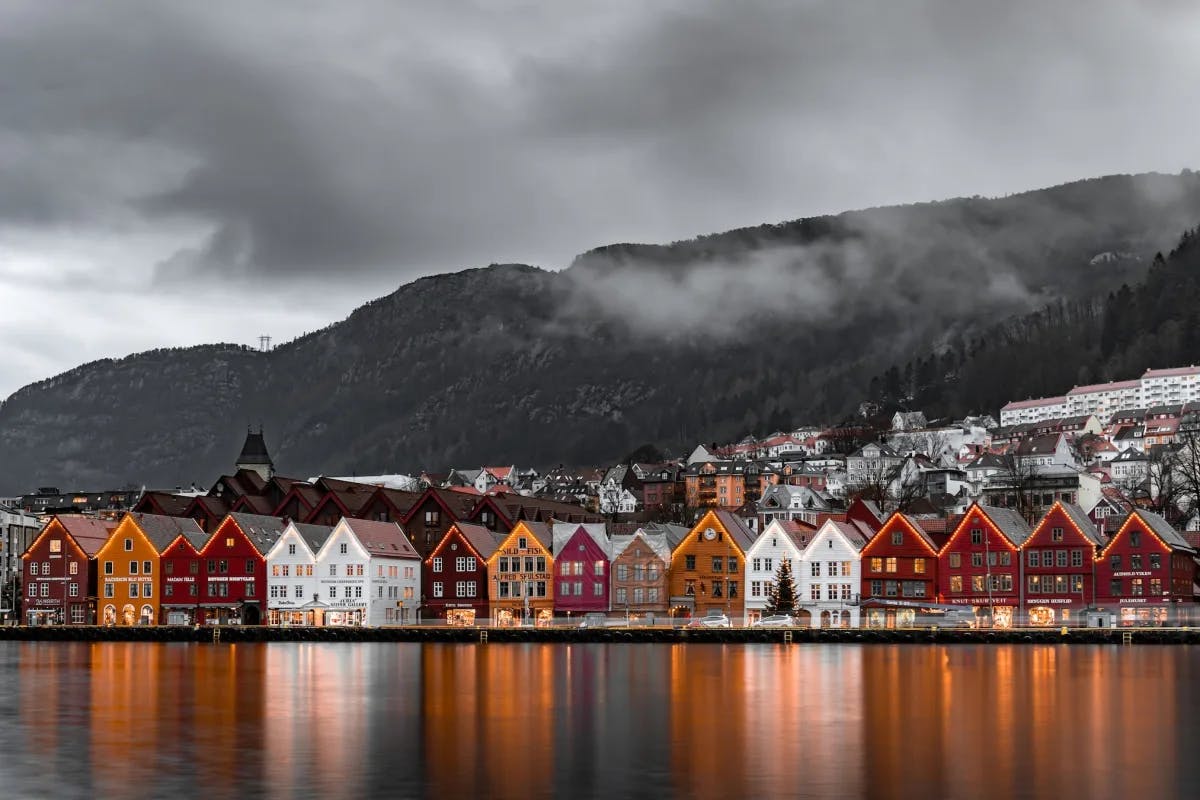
{"x": 781, "y": 595}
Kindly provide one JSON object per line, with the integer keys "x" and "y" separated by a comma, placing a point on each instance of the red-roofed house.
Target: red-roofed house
{"x": 1147, "y": 572}
{"x": 59, "y": 571}
{"x": 368, "y": 574}
{"x": 1060, "y": 558}
{"x": 455, "y": 578}
{"x": 899, "y": 572}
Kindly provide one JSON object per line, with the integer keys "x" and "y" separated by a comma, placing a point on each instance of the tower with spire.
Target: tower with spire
{"x": 254, "y": 455}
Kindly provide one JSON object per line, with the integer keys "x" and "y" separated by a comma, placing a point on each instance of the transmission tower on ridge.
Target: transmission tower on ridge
{"x": 264, "y": 343}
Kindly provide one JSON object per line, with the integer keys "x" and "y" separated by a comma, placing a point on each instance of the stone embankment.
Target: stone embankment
{"x": 238, "y": 634}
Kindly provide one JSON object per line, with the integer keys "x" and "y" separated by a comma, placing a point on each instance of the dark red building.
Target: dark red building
{"x": 1147, "y": 572}
{"x": 181, "y": 579}
{"x": 233, "y": 561}
{"x": 59, "y": 571}
{"x": 980, "y": 566}
{"x": 431, "y": 516}
{"x": 454, "y": 580}
{"x": 899, "y": 572}
{"x": 1060, "y": 558}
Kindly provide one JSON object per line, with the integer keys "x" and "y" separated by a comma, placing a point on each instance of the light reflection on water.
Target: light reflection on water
{"x": 409, "y": 720}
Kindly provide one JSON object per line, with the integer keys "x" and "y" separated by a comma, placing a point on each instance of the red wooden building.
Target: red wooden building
{"x": 1060, "y": 557}
{"x": 454, "y": 581}
{"x": 899, "y": 572}
{"x": 431, "y": 516}
{"x": 1147, "y": 573}
{"x": 582, "y": 561}
{"x": 980, "y": 566}
{"x": 181, "y": 579}
{"x": 233, "y": 562}
{"x": 59, "y": 571}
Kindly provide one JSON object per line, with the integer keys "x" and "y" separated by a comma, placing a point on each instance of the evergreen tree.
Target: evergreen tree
{"x": 781, "y": 594}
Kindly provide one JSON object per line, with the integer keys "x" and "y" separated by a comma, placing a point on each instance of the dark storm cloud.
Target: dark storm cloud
{"x": 418, "y": 137}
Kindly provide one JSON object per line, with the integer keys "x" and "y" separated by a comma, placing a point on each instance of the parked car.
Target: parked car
{"x": 713, "y": 619}
{"x": 777, "y": 621}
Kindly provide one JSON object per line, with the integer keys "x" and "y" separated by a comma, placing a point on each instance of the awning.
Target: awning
{"x": 312, "y": 605}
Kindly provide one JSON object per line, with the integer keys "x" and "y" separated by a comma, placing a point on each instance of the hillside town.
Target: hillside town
{"x": 1072, "y": 510}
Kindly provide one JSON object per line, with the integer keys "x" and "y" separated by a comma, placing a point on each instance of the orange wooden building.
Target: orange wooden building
{"x": 520, "y": 576}
{"x": 707, "y": 567}
{"x": 129, "y": 582}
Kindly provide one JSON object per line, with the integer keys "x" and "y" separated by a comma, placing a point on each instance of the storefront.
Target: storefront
{"x": 460, "y": 617}
{"x": 345, "y": 616}
{"x": 179, "y": 615}
{"x": 1150, "y": 612}
{"x": 1049, "y": 612}
{"x": 522, "y": 617}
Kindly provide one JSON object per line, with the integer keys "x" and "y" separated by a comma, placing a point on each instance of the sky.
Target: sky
{"x": 181, "y": 173}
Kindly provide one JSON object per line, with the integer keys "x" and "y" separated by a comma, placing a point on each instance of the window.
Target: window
{"x": 133, "y": 589}
{"x": 433, "y": 517}
{"x": 815, "y": 569}
{"x": 1156, "y": 588}
{"x": 890, "y": 565}
{"x": 1155, "y": 561}
{"x": 291, "y": 549}
{"x": 1034, "y": 584}
{"x": 128, "y": 545}
{"x": 460, "y": 564}
{"x": 889, "y": 588}
{"x": 1005, "y": 558}
{"x": 194, "y": 567}
{"x": 897, "y": 537}
{"x": 622, "y": 572}
{"x": 976, "y": 535}
{"x": 333, "y": 591}
{"x": 437, "y": 588}
{"x": 1056, "y": 534}
{"x": 460, "y": 589}
{"x": 148, "y": 589}
{"x": 249, "y": 566}
{"x": 1114, "y": 561}
{"x": 333, "y": 570}
{"x": 652, "y": 573}
{"x": 437, "y": 564}
{"x": 146, "y": 568}
{"x": 56, "y": 545}
{"x": 918, "y": 566}
{"x": 845, "y": 569}
{"x": 955, "y": 560}
{"x": 298, "y": 590}
{"x": 1135, "y": 587}
{"x": 133, "y": 568}
{"x": 229, "y": 542}
{"x": 45, "y": 589}
{"x": 815, "y": 591}
{"x": 1060, "y": 558}
{"x": 577, "y": 567}
{"x": 876, "y": 565}
{"x": 876, "y": 588}
{"x": 343, "y": 548}
{"x": 1060, "y": 584}
{"x": 956, "y": 583}
{"x": 1076, "y": 583}
{"x": 976, "y": 559}
{"x": 977, "y": 583}
{"x": 1076, "y": 558}
{"x": 73, "y": 590}
{"x": 472, "y": 564}
{"x": 598, "y": 590}
{"x": 756, "y": 565}
{"x": 831, "y": 591}
{"x": 503, "y": 567}
{"x": 992, "y": 559}
{"x": 522, "y": 543}
{"x": 689, "y": 562}
{"x": 108, "y": 590}
{"x": 1135, "y": 561}
{"x": 541, "y": 563}
{"x": 34, "y": 567}
{"x": 621, "y": 596}
{"x": 222, "y": 566}
{"x": 1135, "y": 538}
{"x": 73, "y": 568}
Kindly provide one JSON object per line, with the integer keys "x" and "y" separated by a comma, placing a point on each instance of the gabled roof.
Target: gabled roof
{"x": 305, "y": 493}
{"x": 262, "y": 531}
{"x": 384, "y": 539}
{"x": 856, "y": 534}
{"x": 313, "y": 535}
{"x": 1162, "y": 529}
{"x": 539, "y": 531}
{"x": 484, "y": 541}
{"x": 657, "y": 542}
{"x": 249, "y": 503}
{"x": 1039, "y": 445}
{"x": 161, "y": 531}
{"x": 164, "y": 503}
{"x": 563, "y": 532}
{"x": 89, "y": 533}
{"x": 742, "y": 536}
{"x": 1008, "y": 521}
{"x": 254, "y": 450}
{"x": 455, "y": 504}
{"x": 900, "y": 518}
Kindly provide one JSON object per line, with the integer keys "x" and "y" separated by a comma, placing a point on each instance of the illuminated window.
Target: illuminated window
{"x": 1005, "y": 558}
{"x": 918, "y": 566}
{"x": 1135, "y": 587}
{"x": 73, "y": 568}
{"x": 845, "y": 569}
{"x": 1034, "y": 584}
{"x": 890, "y": 565}
{"x": 1076, "y": 583}
{"x": 229, "y": 541}
{"x": 1156, "y": 587}
{"x": 955, "y": 560}
{"x": 977, "y": 583}
{"x": 56, "y": 545}
{"x": 576, "y": 567}
{"x": 1056, "y": 534}
{"x": 956, "y": 583}
{"x": 1060, "y": 584}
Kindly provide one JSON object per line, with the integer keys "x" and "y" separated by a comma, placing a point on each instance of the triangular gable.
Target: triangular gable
{"x": 532, "y": 531}
{"x": 1076, "y": 520}
{"x": 776, "y": 529}
{"x": 342, "y": 532}
{"x": 882, "y": 538}
{"x": 997, "y": 520}
{"x": 1156, "y": 526}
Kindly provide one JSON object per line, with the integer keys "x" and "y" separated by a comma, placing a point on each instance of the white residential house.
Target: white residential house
{"x": 835, "y": 483}
{"x": 908, "y": 420}
{"x": 779, "y": 540}
{"x": 785, "y": 502}
{"x": 1175, "y": 385}
{"x": 1020, "y": 412}
{"x": 869, "y": 462}
{"x": 368, "y": 574}
{"x": 1103, "y": 399}
{"x": 830, "y": 576}
{"x": 1052, "y": 449}
{"x": 1129, "y": 468}
{"x": 292, "y": 589}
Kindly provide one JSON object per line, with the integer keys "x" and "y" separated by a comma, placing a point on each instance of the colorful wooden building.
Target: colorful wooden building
{"x": 181, "y": 580}
{"x": 293, "y": 594}
{"x": 980, "y": 566}
{"x": 640, "y": 590}
{"x": 830, "y": 575}
{"x": 234, "y": 589}
{"x": 582, "y": 560}
{"x": 707, "y": 567}
{"x": 59, "y": 571}
{"x": 520, "y": 577}
{"x": 1060, "y": 559}
{"x": 129, "y": 579}
{"x": 780, "y": 540}
{"x": 455, "y": 580}
{"x": 899, "y": 572}
{"x": 368, "y": 574}
{"x": 1147, "y": 573}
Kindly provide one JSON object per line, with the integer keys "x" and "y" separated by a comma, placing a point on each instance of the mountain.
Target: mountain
{"x": 706, "y": 339}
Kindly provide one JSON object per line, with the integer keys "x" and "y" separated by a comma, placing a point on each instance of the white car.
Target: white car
{"x": 778, "y": 621}
{"x": 714, "y": 619}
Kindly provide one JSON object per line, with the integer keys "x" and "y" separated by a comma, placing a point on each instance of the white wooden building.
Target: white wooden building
{"x": 780, "y": 540}
{"x": 292, "y": 589}
{"x": 368, "y": 574}
{"x": 830, "y": 576}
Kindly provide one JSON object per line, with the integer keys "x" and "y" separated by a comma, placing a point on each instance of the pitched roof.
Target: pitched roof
{"x": 483, "y": 540}
{"x": 313, "y": 535}
{"x": 161, "y": 531}
{"x": 1162, "y": 529}
{"x": 562, "y": 532}
{"x": 742, "y": 536}
{"x": 1017, "y": 405}
{"x": 539, "y": 531}
{"x": 1096, "y": 388}
{"x": 165, "y": 502}
{"x": 385, "y": 539}
{"x": 262, "y": 531}
{"x": 857, "y": 534}
{"x": 89, "y": 533}
{"x": 1009, "y": 522}
{"x": 657, "y": 542}
{"x": 1171, "y": 372}
{"x": 1083, "y": 522}
{"x": 254, "y": 450}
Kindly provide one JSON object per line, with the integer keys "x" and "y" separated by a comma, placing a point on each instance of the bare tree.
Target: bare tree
{"x": 1164, "y": 487}
{"x": 932, "y": 443}
{"x": 1187, "y": 463}
{"x": 1017, "y": 478}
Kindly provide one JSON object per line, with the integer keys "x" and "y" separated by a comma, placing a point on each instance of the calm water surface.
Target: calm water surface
{"x": 119, "y": 720}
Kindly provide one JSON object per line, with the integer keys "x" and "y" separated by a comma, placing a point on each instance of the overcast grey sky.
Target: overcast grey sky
{"x": 178, "y": 173}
